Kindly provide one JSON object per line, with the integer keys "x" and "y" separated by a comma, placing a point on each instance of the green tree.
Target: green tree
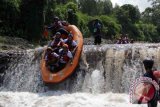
{"x": 132, "y": 12}
{"x": 65, "y": 1}
{"x": 95, "y": 7}
{"x": 88, "y": 6}
{"x": 72, "y": 8}
{"x": 49, "y": 13}
{"x": 147, "y": 32}
{"x": 110, "y": 27}
{"x": 9, "y": 18}
{"x": 147, "y": 15}
{"x": 32, "y": 18}
{"x": 107, "y": 7}
{"x": 155, "y": 15}
{"x": 128, "y": 15}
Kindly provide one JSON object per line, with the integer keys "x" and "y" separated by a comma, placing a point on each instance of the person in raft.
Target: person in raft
{"x": 72, "y": 44}
{"x": 57, "y": 26}
{"x": 148, "y": 64}
{"x": 51, "y": 58}
{"x": 56, "y": 43}
{"x": 65, "y": 56}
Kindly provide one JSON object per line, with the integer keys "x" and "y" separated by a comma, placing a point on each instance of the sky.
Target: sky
{"x": 142, "y": 4}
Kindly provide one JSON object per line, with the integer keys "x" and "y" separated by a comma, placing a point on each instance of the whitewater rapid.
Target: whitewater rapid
{"x": 102, "y": 78}
{"x": 64, "y": 99}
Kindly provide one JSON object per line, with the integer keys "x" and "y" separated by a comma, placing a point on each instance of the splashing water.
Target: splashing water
{"x": 102, "y": 78}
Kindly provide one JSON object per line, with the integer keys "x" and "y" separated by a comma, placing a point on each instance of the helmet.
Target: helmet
{"x": 58, "y": 33}
{"x": 65, "y": 23}
{"x": 49, "y": 49}
{"x": 65, "y": 46}
{"x": 56, "y": 18}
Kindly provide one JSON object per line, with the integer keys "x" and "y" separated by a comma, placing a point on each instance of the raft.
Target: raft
{"x": 48, "y": 76}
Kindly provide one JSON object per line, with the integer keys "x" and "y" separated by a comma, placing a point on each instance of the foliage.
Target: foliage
{"x": 9, "y": 13}
{"x": 128, "y": 15}
{"x": 95, "y": 7}
{"x": 146, "y": 16}
{"x": 111, "y": 26}
{"x": 49, "y": 11}
{"x": 32, "y": 18}
{"x": 83, "y": 20}
{"x": 147, "y": 32}
{"x": 26, "y": 18}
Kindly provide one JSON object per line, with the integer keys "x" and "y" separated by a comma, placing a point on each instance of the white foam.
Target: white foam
{"x": 63, "y": 99}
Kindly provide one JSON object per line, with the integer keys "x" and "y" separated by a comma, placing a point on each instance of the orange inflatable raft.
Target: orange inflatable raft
{"x": 49, "y": 77}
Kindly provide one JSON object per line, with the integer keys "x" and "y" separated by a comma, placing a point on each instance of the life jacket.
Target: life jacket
{"x": 55, "y": 43}
{"x": 57, "y": 25}
{"x": 64, "y": 56}
{"x": 51, "y": 59}
{"x": 69, "y": 43}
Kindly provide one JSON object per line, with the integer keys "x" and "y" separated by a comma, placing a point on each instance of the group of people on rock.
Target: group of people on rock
{"x": 124, "y": 40}
{"x": 61, "y": 48}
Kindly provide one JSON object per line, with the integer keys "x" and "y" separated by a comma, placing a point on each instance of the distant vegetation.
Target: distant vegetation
{"x": 26, "y": 18}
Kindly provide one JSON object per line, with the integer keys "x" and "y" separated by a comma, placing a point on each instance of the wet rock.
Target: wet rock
{"x": 4, "y": 61}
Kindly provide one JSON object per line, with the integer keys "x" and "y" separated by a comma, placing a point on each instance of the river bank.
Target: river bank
{"x": 14, "y": 43}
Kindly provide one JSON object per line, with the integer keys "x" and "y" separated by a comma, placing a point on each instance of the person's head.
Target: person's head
{"x": 70, "y": 36}
{"x": 148, "y": 64}
{"x": 55, "y": 19}
{"x": 97, "y": 20}
{"x": 65, "y": 23}
{"x": 58, "y": 35}
{"x": 49, "y": 49}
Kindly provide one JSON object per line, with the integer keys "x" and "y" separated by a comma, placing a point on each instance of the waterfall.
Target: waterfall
{"x": 106, "y": 68}
{"x": 102, "y": 70}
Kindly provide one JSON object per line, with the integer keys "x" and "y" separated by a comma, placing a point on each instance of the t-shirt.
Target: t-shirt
{"x": 66, "y": 56}
{"x": 73, "y": 44}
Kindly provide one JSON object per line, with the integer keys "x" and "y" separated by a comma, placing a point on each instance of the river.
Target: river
{"x": 102, "y": 78}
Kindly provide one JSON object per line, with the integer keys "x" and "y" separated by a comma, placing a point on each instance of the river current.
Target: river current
{"x": 102, "y": 78}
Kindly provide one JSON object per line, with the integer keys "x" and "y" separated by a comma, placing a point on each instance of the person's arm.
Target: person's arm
{"x": 74, "y": 44}
{"x": 49, "y": 27}
{"x": 71, "y": 57}
{"x": 47, "y": 61}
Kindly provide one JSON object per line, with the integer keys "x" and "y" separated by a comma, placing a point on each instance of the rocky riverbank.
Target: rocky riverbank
{"x": 13, "y": 43}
